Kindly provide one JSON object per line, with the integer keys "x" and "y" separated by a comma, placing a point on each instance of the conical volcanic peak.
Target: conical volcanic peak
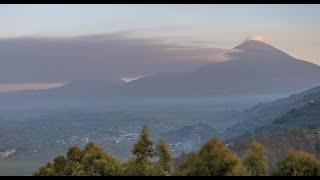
{"x": 260, "y": 48}
{"x": 250, "y": 45}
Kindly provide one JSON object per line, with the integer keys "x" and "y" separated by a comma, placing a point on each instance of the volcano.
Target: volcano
{"x": 254, "y": 68}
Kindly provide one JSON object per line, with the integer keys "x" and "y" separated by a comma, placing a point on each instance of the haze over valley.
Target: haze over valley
{"x": 186, "y": 80}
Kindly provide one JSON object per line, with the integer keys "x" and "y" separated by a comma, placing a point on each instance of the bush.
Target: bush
{"x": 297, "y": 163}
{"x": 214, "y": 159}
{"x": 92, "y": 161}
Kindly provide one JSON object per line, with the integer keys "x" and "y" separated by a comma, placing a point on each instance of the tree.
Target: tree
{"x": 165, "y": 157}
{"x": 74, "y": 154}
{"x": 297, "y": 163}
{"x": 46, "y": 170}
{"x": 74, "y": 159}
{"x": 239, "y": 170}
{"x": 217, "y": 159}
{"x": 57, "y": 168}
{"x": 97, "y": 162}
{"x": 255, "y": 161}
{"x": 188, "y": 166}
{"x": 139, "y": 168}
{"x": 143, "y": 149}
{"x": 213, "y": 159}
{"x": 59, "y": 165}
{"x": 91, "y": 161}
{"x": 139, "y": 164}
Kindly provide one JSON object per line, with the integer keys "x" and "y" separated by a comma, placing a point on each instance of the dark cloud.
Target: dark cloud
{"x": 101, "y": 56}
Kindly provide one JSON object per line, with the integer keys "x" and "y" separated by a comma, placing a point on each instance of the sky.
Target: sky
{"x": 291, "y": 28}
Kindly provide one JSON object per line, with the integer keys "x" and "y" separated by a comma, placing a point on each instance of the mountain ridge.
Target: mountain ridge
{"x": 258, "y": 68}
{"x": 262, "y": 71}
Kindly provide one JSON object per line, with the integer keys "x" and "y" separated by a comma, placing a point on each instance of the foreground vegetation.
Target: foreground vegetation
{"x": 149, "y": 159}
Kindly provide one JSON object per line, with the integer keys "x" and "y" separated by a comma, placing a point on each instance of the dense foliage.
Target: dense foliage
{"x": 149, "y": 159}
{"x": 297, "y": 163}
{"x": 255, "y": 161}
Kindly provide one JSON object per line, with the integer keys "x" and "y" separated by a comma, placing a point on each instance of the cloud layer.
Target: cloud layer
{"x": 29, "y": 60}
{"x": 260, "y": 38}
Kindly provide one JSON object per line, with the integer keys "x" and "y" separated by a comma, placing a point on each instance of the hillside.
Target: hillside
{"x": 263, "y": 115}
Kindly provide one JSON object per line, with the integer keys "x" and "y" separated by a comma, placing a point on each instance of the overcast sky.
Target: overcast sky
{"x": 154, "y": 28}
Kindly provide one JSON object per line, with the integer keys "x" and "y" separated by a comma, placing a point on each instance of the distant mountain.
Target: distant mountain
{"x": 89, "y": 87}
{"x": 257, "y": 68}
{"x": 86, "y": 88}
{"x": 305, "y": 117}
{"x": 299, "y": 111}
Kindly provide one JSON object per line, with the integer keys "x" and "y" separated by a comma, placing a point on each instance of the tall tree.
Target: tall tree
{"x": 165, "y": 157}
{"x": 143, "y": 149}
{"x": 255, "y": 161}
